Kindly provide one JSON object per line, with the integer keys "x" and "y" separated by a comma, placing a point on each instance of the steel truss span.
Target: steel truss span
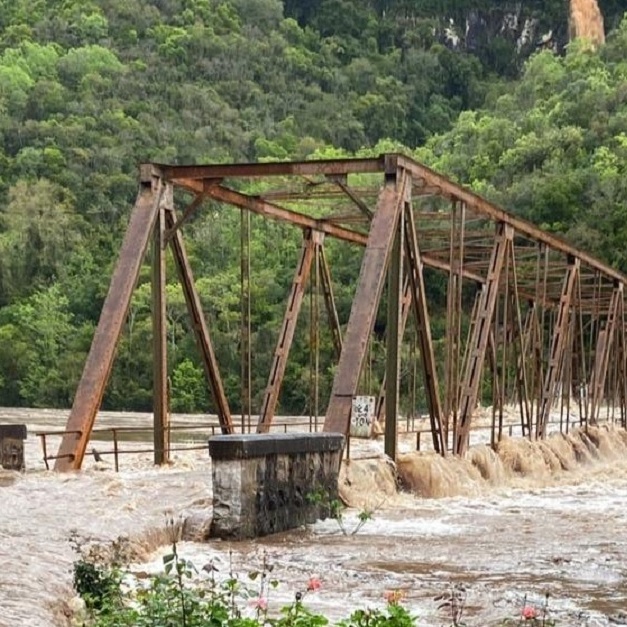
{"x": 536, "y": 320}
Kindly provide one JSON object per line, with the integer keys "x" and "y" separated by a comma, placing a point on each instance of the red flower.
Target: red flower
{"x": 529, "y": 613}
{"x": 314, "y": 584}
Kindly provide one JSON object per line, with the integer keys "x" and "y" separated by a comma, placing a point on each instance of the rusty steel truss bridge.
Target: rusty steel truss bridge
{"x": 544, "y": 320}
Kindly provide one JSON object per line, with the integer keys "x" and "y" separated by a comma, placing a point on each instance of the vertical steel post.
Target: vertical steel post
{"x": 454, "y": 321}
{"x": 159, "y": 338}
{"x": 423, "y": 328}
{"x": 541, "y": 349}
{"x": 505, "y": 330}
{"x": 493, "y": 363}
{"x": 406, "y": 302}
{"x": 245, "y": 351}
{"x": 393, "y": 342}
{"x": 314, "y": 346}
{"x": 582, "y": 371}
{"x": 595, "y": 330}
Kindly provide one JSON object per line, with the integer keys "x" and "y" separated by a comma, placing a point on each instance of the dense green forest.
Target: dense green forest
{"x": 90, "y": 89}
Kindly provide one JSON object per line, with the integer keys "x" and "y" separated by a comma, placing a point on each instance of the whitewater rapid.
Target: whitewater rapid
{"x": 508, "y": 543}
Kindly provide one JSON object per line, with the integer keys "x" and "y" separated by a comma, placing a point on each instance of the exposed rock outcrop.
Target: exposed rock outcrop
{"x": 586, "y": 21}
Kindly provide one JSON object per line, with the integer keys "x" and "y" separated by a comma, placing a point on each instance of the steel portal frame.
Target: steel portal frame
{"x": 548, "y": 321}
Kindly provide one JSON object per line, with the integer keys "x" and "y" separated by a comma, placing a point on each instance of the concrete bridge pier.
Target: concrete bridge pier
{"x": 264, "y": 484}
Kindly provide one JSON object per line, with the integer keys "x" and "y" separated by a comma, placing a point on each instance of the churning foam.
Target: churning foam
{"x": 516, "y": 461}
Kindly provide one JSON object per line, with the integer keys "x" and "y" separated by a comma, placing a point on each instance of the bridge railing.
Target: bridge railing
{"x": 412, "y": 425}
{"x": 121, "y": 434}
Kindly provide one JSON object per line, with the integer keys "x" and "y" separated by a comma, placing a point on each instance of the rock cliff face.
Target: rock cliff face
{"x": 505, "y": 33}
{"x": 514, "y": 22}
{"x": 525, "y": 24}
{"x": 501, "y": 33}
{"x": 586, "y": 20}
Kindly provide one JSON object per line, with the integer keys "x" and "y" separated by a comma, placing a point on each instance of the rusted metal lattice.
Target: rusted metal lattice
{"x": 543, "y": 310}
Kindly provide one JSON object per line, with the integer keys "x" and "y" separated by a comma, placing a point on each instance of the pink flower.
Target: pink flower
{"x": 260, "y": 604}
{"x": 314, "y": 584}
{"x": 529, "y": 613}
{"x": 394, "y": 597}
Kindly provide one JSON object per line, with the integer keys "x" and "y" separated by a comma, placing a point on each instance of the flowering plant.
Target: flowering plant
{"x": 183, "y": 595}
{"x": 532, "y": 616}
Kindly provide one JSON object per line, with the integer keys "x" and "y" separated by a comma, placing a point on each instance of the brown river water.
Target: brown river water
{"x": 508, "y": 537}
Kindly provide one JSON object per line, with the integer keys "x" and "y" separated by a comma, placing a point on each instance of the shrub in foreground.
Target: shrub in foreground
{"x": 179, "y": 597}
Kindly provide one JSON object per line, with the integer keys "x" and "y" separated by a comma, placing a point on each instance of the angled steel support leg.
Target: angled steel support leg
{"x": 558, "y": 343}
{"x": 366, "y": 301}
{"x": 100, "y": 359}
{"x": 199, "y": 325}
{"x": 286, "y": 334}
{"x": 454, "y": 422}
{"x": 159, "y": 337}
{"x": 423, "y": 326}
{"x": 605, "y": 341}
{"x": 479, "y": 338}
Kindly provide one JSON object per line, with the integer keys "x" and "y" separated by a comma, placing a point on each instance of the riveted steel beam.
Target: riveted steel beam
{"x": 604, "y": 346}
{"x": 276, "y": 212}
{"x": 366, "y": 302}
{"x": 406, "y": 303}
{"x": 99, "y": 362}
{"x": 479, "y": 338}
{"x": 423, "y": 326}
{"x": 277, "y": 371}
{"x": 393, "y": 336}
{"x": 453, "y": 319}
{"x": 557, "y": 350}
{"x": 160, "y": 403}
{"x": 287, "y": 168}
{"x": 449, "y": 189}
{"x": 199, "y": 325}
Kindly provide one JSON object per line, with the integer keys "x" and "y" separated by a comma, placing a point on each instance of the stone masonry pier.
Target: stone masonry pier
{"x": 264, "y": 484}
{"x": 12, "y": 446}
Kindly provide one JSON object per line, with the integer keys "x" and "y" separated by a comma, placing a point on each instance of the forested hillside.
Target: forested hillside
{"x": 88, "y": 90}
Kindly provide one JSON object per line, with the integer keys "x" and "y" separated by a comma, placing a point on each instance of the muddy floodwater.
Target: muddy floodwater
{"x": 511, "y": 539}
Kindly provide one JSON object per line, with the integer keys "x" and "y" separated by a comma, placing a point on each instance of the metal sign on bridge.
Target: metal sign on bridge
{"x": 547, "y": 315}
